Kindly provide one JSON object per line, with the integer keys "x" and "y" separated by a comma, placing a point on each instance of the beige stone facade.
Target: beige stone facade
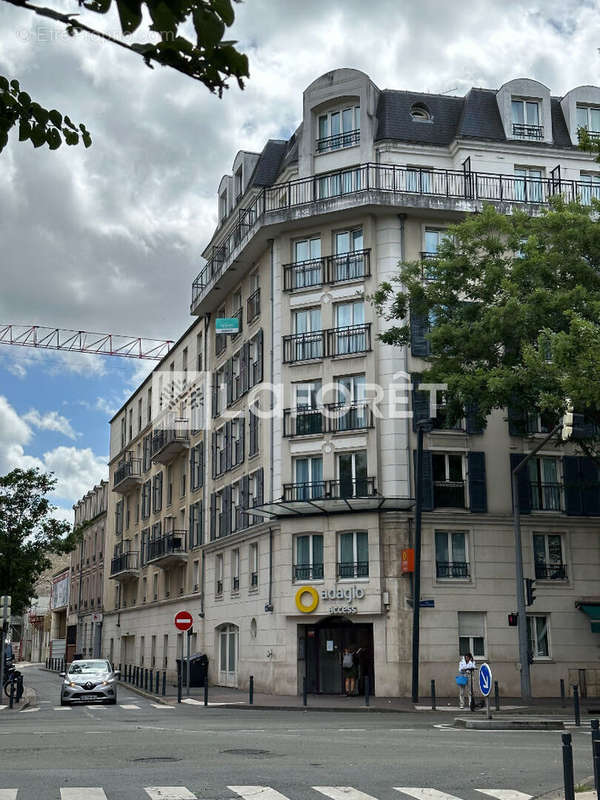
{"x": 282, "y": 534}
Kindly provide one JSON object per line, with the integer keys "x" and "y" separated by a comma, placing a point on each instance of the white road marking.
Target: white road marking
{"x": 3, "y": 707}
{"x": 353, "y": 730}
{"x": 192, "y": 702}
{"x": 169, "y": 793}
{"x": 8, "y": 794}
{"x": 257, "y": 793}
{"x": 425, "y": 794}
{"x": 27, "y": 711}
{"x": 162, "y": 705}
{"x": 82, "y": 793}
{"x": 343, "y": 793}
{"x": 63, "y": 708}
{"x": 505, "y": 794}
{"x": 130, "y": 707}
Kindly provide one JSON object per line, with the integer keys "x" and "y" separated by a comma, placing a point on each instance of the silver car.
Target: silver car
{"x": 89, "y": 680}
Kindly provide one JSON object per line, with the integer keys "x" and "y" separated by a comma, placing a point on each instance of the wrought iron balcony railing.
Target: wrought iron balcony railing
{"x": 338, "y": 268}
{"x": 334, "y": 418}
{"x": 307, "y": 572}
{"x": 348, "y": 340}
{"x": 452, "y": 569}
{"x": 342, "y": 489}
{"x": 337, "y": 141}
{"x": 550, "y": 572}
{"x": 545, "y": 496}
{"x": 449, "y": 494}
{"x": 169, "y": 441}
{"x": 303, "y": 421}
{"x": 125, "y": 562}
{"x": 357, "y": 569}
{"x": 348, "y": 488}
{"x": 131, "y": 469}
{"x": 524, "y": 131}
{"x": 304, "y": 274}
{"x": 172, "y": 543}
{"x": 306, "y": 490}
{"x": 303, "y": 347}
{"x": 239, "y": 315}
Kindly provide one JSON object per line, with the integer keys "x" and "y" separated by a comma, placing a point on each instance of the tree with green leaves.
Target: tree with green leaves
{"x": 208, "y": 57}
{"x": 29, "y": 534}
{"x": 511, "y": 307}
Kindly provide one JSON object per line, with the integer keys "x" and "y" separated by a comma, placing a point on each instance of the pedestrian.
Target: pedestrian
{"x": 465, "y": 670}
{"x": 350, "y": 669}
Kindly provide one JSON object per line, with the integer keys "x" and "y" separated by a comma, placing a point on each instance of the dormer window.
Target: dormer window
{"x": 238, "y": 185}
{"x": 588, "y": 117}
{"x": 526, "y": 119}
{"x": 339, "y": 128}
{"x": 222, "y": 205}
{"x": 420, "y": 113}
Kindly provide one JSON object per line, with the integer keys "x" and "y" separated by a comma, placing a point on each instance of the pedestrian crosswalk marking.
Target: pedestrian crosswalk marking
{"x": 169, "y": 793}
{"x": 3, "y": 707}
{"x": 162, "y": 705}
{"x": 343, "y": 793}
{"x": 257, "y": 793}
{"x": 82, "y": 793}
{"x": 505, "y": 794}
{"x": 63, "y": 708}
{"x": 28, "y": 711}
{"x": 8, "y": 794}
{"x": 425, "y": 794}
{"x": 130, "y": 707}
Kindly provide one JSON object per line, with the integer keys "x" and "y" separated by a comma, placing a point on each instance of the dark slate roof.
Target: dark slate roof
{"x": 395, "y": 121}
{"x": 560, "y": 132}
{"x": 269, "y": 162}
{"x": 480, "y": 117}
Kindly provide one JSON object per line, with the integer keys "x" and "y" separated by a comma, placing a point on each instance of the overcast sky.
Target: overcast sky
{"x": 109, "y": 239}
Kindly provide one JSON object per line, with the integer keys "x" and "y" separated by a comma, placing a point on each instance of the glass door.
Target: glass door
{"x": 349, "y": 244}
{"x": 228, "y": 646}
{"x": 353, "y": 474}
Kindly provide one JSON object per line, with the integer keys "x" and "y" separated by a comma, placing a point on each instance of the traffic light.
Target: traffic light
{"x": 5, "y": 606}
{"x": 529, "y": 591}
{"x": 513, "y": 620}
{"x": 572, "y": 425}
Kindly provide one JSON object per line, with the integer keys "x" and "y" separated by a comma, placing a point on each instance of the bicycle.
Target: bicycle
{"x": 14, "y": 684}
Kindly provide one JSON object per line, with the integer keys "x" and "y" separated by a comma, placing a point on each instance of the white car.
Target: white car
{"x": 91, "y": 680}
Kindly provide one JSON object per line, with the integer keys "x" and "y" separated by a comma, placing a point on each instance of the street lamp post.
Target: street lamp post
{"x": 422, "y": 426}
{"x": 521, "y": 607}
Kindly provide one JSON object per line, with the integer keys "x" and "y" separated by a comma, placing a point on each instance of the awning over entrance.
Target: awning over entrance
{"x": 331, "y": 505}
{"x": 591, "y": 610}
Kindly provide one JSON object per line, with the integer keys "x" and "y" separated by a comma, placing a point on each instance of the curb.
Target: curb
{"x": 29, "y": 698}
{"x": 157, "y": 698}
{"x": 509, "y": 724}
{"x": 559, "y": 794}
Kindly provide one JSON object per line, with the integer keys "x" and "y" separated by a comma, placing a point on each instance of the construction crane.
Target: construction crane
{"x": 106, "y": 344}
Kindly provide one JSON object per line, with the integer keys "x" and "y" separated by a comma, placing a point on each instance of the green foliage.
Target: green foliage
{"x": 35, "y": 124}
{"x": 29, "y": 534}
{"x": 516, "y": 306}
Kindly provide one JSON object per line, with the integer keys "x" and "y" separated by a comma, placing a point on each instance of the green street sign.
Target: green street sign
{"x": 227, "y": 325}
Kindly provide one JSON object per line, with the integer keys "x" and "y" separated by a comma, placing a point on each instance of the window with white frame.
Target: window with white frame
{"x": 538, "y": 635}
{"x": 588, "y": 117}
{"x": 339, "y": 128}
{"x": 353, "y": 555}
{"x": 544, "y": 483}
{"x": 309, "y": 484}
{"x": 549, "y": 558}
{"x": 196, "y": 576}
{"x": 235, "y": 570}
{"x": 529, "y": 184}
{"x": 308, "y": 418}
{"x": 349, "y": 261}
{"x": 589, "y": 186}
{"x": 448, "y": 480}
{"x": 308, "y": 557}
{"x": 339, "y": 183}
{"x": 307, "y": 269}
{"x": 219, "y": 574}
{"x": 419, "y": 179}
{"x": 237, "y": 440}
{"x": 451, "y": 555}
{"x": 253, "y": 565}
{"x": 526, "y": 118}
{"x": 350, "y": 335}
{"x": 432, "y": 239}
{"x": 471, "y": 633}
{"x": 308, "y": 340}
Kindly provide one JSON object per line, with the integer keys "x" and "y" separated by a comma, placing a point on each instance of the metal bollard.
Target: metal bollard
{"x": 367, "y": 690}
{"x": 569, "y": 779}
{"x": 157, "y": 680}
{"x": 497, "y": 695}
{"x": 304, "y": 695}
{"x": 129, "y": 675}
{"x": 179, "y": 686}
{"x": 432, "y": 694}
{"x": 146, "y": 679}
{"x": 251, "y": 690}
{"x": 206, "y": 690}
{"x": 11, "y": 697}
{"x": 563, "y": 700}
{"x": 119, "y": 666}
{"x": 164, "y": 684}
{"x": 595, "y": 724}
{"x": 576, "y": 704}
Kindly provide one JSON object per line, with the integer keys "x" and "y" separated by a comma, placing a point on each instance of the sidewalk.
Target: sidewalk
{"x": 221, "y": 696}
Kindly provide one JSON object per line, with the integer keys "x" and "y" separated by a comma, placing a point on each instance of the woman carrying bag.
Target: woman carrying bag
{"x": 465, "y": 670}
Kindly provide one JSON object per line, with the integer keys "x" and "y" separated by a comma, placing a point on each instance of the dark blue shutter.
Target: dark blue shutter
{"x": 472, "y": 418}
{"x": 523, "y": 486}
{"x": 245, "y": 368}
{"x": 517, "y": 425}
{"x": 229, "y": 380}
{"x": 242, "y": 445}
{"x": 590, "y": 487}
{"x": 214, "y": 455}
{"x": 200, "y": 463}
{"x": 228, "y": 442}
{"x": 244, "y": 498}
{"x": 572, "y": 484}
{"x": 193, "y": 468}
{"x": 192, "y": 525}
{"x": 213, "y": 516}
{"x": 226, "y": 509}
{"x": 420, "y": 401}
{"x": 253, "y": 431}
{"x": 259, "y": 357}
{"x": 215, "y": 394}
{"x": 260, "y": 493}
{"x": 428, "y": 501}
{"x": 419, "y": 328}
{"x": 477, "y": 484}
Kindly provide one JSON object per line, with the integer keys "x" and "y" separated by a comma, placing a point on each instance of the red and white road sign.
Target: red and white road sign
{"x": 183, "y": 620}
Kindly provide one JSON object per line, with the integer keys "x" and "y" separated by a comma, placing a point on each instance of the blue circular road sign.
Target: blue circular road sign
{"x": 485, "y": 679}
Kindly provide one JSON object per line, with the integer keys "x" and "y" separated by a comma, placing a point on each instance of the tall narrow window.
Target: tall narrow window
{"x": 548, "y": 557}
{"x": 235, "y": 570}
{"x": 253, "y": 563}
{"x": 471, "y": 633}
{"x": 352, "y": 470}
{"x": 451, "y": 554}
{"x": 308, "y": 551}
{"x": 353, "y": 555}
{"x": 349, "y": 261}
{"x": 309, "y": 483}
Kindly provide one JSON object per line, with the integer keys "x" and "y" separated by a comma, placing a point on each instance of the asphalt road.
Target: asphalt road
{"x": 126, "y": 750}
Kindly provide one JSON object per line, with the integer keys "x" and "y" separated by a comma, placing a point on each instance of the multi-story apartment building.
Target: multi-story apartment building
{"x": 84, "y": 622}
{"x": 288, "y": 548}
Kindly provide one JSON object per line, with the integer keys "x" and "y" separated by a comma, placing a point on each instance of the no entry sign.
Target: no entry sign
{"x": 183, "y": 620}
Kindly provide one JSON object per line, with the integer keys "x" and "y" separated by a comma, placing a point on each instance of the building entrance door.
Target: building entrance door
{"x": 228, "y": 646}
{"x": 323, "y": 647}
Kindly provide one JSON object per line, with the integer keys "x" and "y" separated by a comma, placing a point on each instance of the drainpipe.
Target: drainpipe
{"x": 272, "y": 366}
{"x": 82, "y": 553}
{"x": 269, "y": 606}
{"x": 202, "y": 571}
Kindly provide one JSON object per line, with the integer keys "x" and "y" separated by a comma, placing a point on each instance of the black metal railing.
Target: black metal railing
{"x": 348, "y": 266}
{"x": 124, "y": 562}
{"x": 524, "y": 131}
{"x": 253, "y": 306}
{"x": 348, "y": 340}
{"x": 356, "y": 569}
{"x": 347, "y": 488}
{"x": 328, "y": 269}
{"x": 240, "y": 318}
{"x": 306, "y": 490}
{"x": 449, "y": 494}
{"x": 128, "y": 469}
{"x": 550, "y": 572}
{"x": 307, "y": 572}
{"x": 545, "y": 496}
{"x": 337, "y": 141}
{"x": 166, "y": 436}
{"x": 304, "y": 274}
{"x": 594, "y": 136}
{"x": 303, "y": 347}
{"x": 173, "y": 542}
{"x": 452, "y": 569}
{"x": 254, "y": 579}
{"x": 303, "y": 421}
{"x": 334, "y": 418}
{"x": 235, "y": 584}
{"x": 386, "y": 178}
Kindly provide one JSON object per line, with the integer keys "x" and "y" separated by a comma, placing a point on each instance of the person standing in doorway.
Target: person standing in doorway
{"x": 463, "y": 679}
{"x": 350, "y": 669}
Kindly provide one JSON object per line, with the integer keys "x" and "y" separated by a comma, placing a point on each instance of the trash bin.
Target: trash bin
{"x": 198, "y": 669}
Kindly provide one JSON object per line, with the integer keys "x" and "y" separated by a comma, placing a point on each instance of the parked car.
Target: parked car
{"x": 89, "y": 680}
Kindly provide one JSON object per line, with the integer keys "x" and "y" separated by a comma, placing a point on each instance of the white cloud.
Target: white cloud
{"x": 50, "y": 421}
